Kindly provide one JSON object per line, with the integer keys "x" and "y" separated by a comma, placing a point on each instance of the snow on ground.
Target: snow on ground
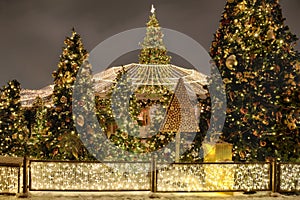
{"x": 151, "y": 196}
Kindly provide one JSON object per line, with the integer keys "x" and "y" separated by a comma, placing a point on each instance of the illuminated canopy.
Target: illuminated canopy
{"x": 139, "y": 74}
{"x": 146, "y": 74}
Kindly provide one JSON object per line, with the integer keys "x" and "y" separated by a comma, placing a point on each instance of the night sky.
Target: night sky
{"x": 33, "y": 31}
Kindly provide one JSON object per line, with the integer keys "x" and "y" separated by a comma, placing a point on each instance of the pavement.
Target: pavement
{"x": 150, "y": 196}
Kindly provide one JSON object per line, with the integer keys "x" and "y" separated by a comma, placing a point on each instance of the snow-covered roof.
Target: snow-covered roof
{"x": 29, "y": 96}
{"x": 138, "y": 74}
{"x": 146, "y": 74}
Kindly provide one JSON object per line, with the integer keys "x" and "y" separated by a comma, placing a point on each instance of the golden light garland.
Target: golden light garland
{"x": 9, "y": 179}
{"x": 289, "y": 177}
{"x": 55, "y": 176}
{"x": 213, "y": 177}
{"x": 64, "y": 176}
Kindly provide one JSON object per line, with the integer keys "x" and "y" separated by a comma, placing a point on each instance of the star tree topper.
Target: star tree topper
{"x": 152, "y": 9}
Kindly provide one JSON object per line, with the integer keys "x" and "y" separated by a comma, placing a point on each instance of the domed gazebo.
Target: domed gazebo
{"x": 186, "y": 86}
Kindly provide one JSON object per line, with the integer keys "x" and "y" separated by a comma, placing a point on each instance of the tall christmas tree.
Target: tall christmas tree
{"x": 153, "y": 50}
{"x": 84, "y": 110}
{"x": 64, "y": 142}
{"x": 13, "y": 129}
{"x": 254, "y": 52}
{"x": 122, "y": 106}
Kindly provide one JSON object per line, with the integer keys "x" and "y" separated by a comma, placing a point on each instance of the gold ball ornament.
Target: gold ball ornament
{"x": 241, "y": 6}
{"x": 58, "y": 108}
{"x": 68, "y": 119}
{"x": 291, "y": 123}
{"x": 297, "y": 66}
{"x": 69, "y": 79}
{"x": 15, "y": 136}
{"x": 21, "y": 137}
{"x": 270, "y": 35}
{"x": 63, "y": 99}
{"x": 255, "y": 133}
{"x": 262, "y": 143}
{"x": 80, "y": 120}
{"x": 226, "y": 80}
{"x": 239, "y": 75}
{"x": 242, "y": 154}
{"x": 60, "y": 138}
{"x": 231, "y": 62}
{"x": 90, "y": 130}
{"x": 230, "y": 1}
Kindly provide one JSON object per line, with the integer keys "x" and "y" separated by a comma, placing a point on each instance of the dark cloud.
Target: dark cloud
{"x": 32, "y": 31}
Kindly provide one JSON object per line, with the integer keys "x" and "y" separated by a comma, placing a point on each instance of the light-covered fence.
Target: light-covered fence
{"x": 89, "y": 176}
{"x": 289, "y": 177}
{"x": 148, "y": 176}
{"x": 214, "y": 177}
{"x": 10, "y": 178}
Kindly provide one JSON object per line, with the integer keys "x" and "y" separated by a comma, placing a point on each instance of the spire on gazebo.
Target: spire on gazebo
{"x": 180, "y": 116}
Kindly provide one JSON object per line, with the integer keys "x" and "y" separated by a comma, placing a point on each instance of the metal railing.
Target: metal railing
{"x": 44, "y": 175}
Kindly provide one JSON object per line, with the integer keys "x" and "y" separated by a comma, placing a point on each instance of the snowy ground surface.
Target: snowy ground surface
{"x": 151, "y": 196}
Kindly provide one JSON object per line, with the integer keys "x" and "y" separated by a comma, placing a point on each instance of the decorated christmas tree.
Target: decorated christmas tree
{"x": 125, "y": 110}
{"x": 13, "y": 129}
{"x": 153, "y": 50}
{"x": 37, "y": 120}
{"x": 124, "y": 113}
{"x": 116, "y": 115}
{"x": 180, "y": 116}
{"x": 64, "y": 141}
{"x": 122, "y": 109}
{"x": 254, "y": 52}
{"x": 84, "y": 110}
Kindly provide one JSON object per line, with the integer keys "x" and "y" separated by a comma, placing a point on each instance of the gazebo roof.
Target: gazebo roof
{"x": 149, "y": 74}
{"x": 139, "y": 74}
